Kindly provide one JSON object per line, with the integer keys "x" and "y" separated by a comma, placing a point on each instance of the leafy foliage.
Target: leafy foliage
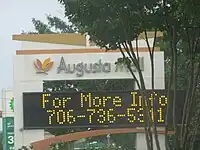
{"x": 26, "y": 148}
{"x": 53, "y": 25}
{"x": 182, "y": 69}
{"x": 106, "y": 16}
{"x": 120, "y": 141}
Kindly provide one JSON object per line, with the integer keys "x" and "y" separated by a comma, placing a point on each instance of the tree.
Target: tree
{"x": 53, "y": 25}
{"x": 113, "y": 24}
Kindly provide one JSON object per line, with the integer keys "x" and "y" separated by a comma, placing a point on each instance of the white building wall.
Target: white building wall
{"x": 39, "y": 46}
{"x": 28, "y": 71}
{"x": 26, "y": 80}
{"x": 24, "y": 137}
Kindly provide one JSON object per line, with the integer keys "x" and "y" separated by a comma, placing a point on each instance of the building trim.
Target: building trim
{"x": 44, "y": 144}
{"x": 68, "y": 51}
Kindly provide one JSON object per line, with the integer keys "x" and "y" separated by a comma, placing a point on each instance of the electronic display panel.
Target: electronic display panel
{"x": 94, "y": 109}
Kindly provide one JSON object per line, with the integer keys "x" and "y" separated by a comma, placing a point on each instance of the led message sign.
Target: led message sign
{"x": 92, "y": 109}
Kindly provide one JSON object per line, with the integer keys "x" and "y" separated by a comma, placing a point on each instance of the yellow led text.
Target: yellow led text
{"x": 61, "y": 116}
{"x": 56, "y": 101}
{"x": 94, "y": 101}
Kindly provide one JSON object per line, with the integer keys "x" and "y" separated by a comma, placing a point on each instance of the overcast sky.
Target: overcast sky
{"x": 15, "y": 16}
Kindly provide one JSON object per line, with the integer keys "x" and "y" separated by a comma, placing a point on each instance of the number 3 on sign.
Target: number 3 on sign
{"x": 10, "y": 139}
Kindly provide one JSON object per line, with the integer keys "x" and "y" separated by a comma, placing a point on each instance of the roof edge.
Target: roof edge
{"x": 67, "y": 39}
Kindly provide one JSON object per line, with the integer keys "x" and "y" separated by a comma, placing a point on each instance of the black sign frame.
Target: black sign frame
{"x": 28, "y": 126}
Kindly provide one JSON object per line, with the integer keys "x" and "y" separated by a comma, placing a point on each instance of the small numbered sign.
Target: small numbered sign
{"x": 8, "y": 131}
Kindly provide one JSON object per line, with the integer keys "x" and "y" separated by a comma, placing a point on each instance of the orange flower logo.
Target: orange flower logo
{"x": 43, "y": 67}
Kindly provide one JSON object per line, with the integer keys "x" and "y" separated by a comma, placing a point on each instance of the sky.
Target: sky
{"x": 15, "y": 16}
